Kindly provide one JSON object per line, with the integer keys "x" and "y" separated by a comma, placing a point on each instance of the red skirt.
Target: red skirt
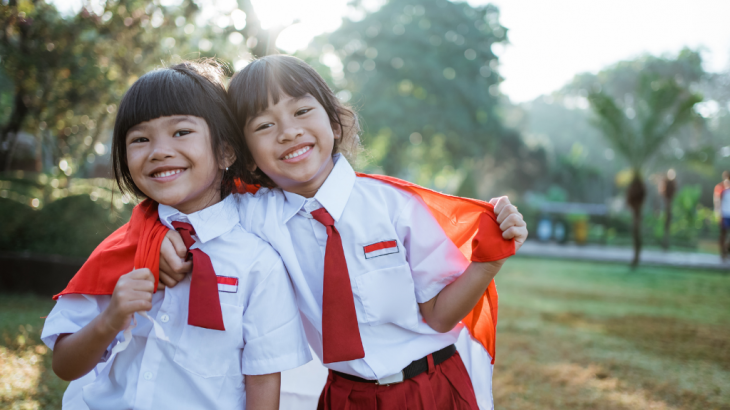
{"x": 445, "y": 386}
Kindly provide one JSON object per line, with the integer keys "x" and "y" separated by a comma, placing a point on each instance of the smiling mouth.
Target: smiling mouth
{"x": 167, "y": 173}
{"x": 297, "y": 153}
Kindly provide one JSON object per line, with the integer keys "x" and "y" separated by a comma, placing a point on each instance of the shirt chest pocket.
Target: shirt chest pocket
{"x": 388, "y": 296}
{"x": 212, "y": 353}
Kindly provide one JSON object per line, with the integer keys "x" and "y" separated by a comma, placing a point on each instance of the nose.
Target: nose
{"x": 161, "y": 148}
{"x": 291, "y": 131}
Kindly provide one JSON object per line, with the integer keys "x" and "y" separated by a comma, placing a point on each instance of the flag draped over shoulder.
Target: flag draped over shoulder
{"x": 135, "y": 244}
{"x": 460, "y": 219}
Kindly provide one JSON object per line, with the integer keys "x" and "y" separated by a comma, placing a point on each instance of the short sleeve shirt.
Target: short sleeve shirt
{"x": 199, "y": 368}
{"x": 397, "y": 256}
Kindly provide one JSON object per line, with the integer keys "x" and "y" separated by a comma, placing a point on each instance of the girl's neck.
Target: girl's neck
{"x": 310, "y": 188}
{"x": 198, "y": 204}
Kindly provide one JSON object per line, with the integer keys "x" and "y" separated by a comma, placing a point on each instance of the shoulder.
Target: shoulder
{"x": 382, "y": 191}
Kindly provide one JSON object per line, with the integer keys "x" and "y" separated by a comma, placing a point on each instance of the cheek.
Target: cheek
{"x": 258, "y": 151}
{"x": 135, "y": 161}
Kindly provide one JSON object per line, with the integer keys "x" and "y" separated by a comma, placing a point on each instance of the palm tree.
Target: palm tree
{"x": 639, "y": 126}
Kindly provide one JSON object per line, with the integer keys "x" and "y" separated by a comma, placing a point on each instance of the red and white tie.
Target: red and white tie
{"x": 204, "y": 307}
{"x": 340, "y": 332}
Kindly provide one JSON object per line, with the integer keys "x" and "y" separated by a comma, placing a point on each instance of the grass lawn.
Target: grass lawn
{"x": 577, "y": 335}
{"x": 572, "y": 335}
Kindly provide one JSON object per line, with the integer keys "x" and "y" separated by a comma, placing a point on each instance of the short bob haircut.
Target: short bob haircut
{"x": 274, "y": 75}
{"x": 188, "y": 88}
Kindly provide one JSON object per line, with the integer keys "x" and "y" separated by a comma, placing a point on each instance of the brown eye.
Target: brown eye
{"x": 181, "y": 133}
{"x": 303, "y": 111}
{"x": 264, "y": 126}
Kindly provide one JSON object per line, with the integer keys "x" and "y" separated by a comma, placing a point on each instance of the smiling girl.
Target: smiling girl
{"x": 222, "y": 336}
{"x": 381, "y": 286}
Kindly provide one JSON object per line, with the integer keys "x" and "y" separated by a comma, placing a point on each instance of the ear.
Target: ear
{"x": 337, "y": 130}
{"x": 229, "y": 157}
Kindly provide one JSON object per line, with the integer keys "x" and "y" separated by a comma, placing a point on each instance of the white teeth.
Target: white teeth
{"x": 297, "y": 153}
{"x": 166, "y": 173}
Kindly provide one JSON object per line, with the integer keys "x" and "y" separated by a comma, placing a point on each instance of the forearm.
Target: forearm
{"x": 456, "y": 300}
{"x": 262, "y": 391}
{"x": 76, "y": 354}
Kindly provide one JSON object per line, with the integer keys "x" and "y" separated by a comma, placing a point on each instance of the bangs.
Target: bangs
{"x": 269, "y": 78}
{"x": 161, "y": 93}
{"x": 188, "y": 88}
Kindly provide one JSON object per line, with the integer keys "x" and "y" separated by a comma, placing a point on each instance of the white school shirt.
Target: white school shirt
{"x": 198, "y": 368}
{"x": 397, "y": 256}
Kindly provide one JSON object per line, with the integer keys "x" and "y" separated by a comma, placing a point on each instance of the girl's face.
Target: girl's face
{"x": 291, "y": 142}
{"x": 172, "y": 162}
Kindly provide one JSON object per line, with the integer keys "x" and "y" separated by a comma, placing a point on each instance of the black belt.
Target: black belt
{"x": 412, "y": 370}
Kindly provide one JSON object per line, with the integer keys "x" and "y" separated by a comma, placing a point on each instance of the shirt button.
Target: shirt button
{"x": 164, "y": 318}
{"x": 148, "y": 375}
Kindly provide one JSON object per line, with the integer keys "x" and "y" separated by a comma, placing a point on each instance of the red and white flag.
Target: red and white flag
{"x": 227, "y": 284}
{"x": 380, "y": 249}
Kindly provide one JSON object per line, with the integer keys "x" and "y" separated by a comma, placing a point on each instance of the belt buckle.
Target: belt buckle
{"x": 392, "y": 379}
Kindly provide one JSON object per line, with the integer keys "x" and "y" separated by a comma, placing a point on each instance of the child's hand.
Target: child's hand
{"x": 173, "y": 265}
{"x": 510, "y": 221}
{"x": 133, "y": 293}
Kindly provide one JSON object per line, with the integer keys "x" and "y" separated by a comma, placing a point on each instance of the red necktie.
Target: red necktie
{"x": 340, "y": 333}
{"x": 204, "y": 307}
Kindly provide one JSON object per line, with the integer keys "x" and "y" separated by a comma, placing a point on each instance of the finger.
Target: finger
{"x": 143, "y": 285}
{"x": 177, "y": 243}
{"x": 506, "y": 212}
{"x": 510, "y": 233}
{"x": 160, "y": 286}
{"x": 167, "y": 280}
{"x": 493, "y": 201}
{"x": 135, "y": 297}
{"x": 502, "y": 202}
{"x": 517, "y": 233}
{"x": 173, "y": 265}
{"x": 137, "y": 305}
{"x": 140, "y": 274}
{"x": 169, "y": 257}
{"x": 512, "y": 220}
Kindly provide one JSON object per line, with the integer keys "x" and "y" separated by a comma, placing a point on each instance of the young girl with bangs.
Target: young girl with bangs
{"x": 388, "y": 276}
{"x": 221, "y": 337}
{"x": 381, "y": 286}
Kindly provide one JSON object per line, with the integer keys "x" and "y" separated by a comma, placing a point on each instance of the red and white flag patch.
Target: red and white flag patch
{"x": 227, "y": 284}
{"x": 380, "y": 248}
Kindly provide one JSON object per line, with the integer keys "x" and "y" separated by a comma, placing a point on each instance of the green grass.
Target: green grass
{"x": 26, "y": 379}
{"x": 572, "y": 335}
{"x": 576, "y": 335}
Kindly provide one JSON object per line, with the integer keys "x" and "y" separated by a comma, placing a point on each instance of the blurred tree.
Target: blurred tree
{"x": 638, "y": 105}
{"x": 424, "y": 79}
{"x": 61, "y": 77}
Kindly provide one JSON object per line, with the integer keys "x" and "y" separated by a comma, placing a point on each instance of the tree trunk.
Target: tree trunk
{"x": 667, "y": 189}
{"x": 635, "y": 196}
{"x": 636, "y": 234}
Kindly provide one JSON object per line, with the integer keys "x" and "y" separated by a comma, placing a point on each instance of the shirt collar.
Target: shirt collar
{"x": 332, "y": 195}
{"x": 209, "y": 223}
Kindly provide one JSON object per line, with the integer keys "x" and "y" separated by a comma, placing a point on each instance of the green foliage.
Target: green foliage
{"x": 689, "y": 219}
{"x": 424, "y": 80}
{"x": 71, "y": 226}
{"x": 13, "y": 217}
{"x": 63, "y": 76}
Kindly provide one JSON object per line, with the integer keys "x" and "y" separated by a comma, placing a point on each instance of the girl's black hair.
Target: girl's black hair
{"x": 188, "y": 88}
{"x": 274, "y": 75}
